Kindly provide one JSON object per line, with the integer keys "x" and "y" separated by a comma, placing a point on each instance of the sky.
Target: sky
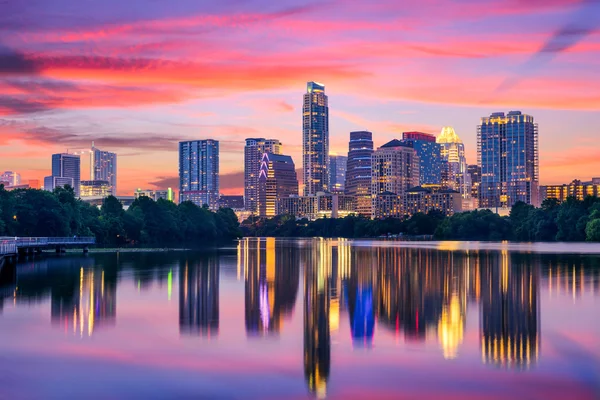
{"x": 139, "y": 76}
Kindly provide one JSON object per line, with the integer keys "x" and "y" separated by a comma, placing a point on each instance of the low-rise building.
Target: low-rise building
{"x": 388, "y": 205}
{"x": 155, "y": 194}
{"x": 576, "y": 189}
{"x": 95, "y": 188}
{"x": 321, "y": 205}
{"x": 235, "y": 202}
{"x": 423, "y": 200}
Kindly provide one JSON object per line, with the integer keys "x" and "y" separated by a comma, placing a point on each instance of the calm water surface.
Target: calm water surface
{"x": 293, "y": 319}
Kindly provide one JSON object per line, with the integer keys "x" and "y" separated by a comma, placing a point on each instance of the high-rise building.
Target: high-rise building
{"x": 253, "y": 152}
{"x": 475, "y": 174}
{"x": 277, "y": 179}
{"x": 358, "y": 171}
{"x": 103, "y": 167}
{"x": 199, "y": 172}
{"x": 315, "y": 139}
{"x": 507, "y": 152}
{"x": 10, "y": 177}
{"x": 337, "y": 173}
{"x": 394, "y": 169}
{"x": 429, "y": 152}
{"x": 454, "y": 164}
{"x": 68, "y": 167}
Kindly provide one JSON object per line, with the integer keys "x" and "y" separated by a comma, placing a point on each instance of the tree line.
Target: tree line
{"x": 572, "y": 220}
{"x": 32, "y": 212}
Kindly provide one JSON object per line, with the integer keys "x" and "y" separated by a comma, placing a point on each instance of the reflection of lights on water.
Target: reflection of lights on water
{"x": 265, "y": 312}
{"x": 451, "y": 327}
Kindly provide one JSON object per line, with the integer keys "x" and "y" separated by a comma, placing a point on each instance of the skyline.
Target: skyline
{"x": 137, "y": 83}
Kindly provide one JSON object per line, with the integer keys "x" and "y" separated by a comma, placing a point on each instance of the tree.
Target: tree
{"x": 592, "y": 231}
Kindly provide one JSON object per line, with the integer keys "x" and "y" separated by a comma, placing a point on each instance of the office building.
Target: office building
{"x": 95, "y": 188}
{"x": 31, "y": 184}
{"x": 422, "y": 200}
{"x": 507, "y": 152}
{"x": 10, "y": 178}
{"x": 68, "y": 168}
{"x": 576, "y": 189}
{"x": 358, "y": 171}
{"x": 320, "y": 205}
{"x": 475, "y": 174}
{"x": 235, "y": 202}
{"x": 253, "y": 152}
{"x": 53, "y": 182}
{"x": 277, "y": 180}
{"x": 199, "y": 172}
{"x": 455, "y": 174}
{"x": 429, "y": 152}
{"x": 103, "y": 167}
{"x": 337, "y": 173}
{"x": 154, "y": 194}
{"x": 394, "y": 169}
{"x": 315, "y": 139}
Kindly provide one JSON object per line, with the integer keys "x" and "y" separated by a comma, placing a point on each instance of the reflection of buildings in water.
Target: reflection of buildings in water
{"x": 90, "y": 304}
{"x": 509, "y": 310}
{"x": 451, "y": 325}
{"x": 271, "y": 284}
{"x": 573, "y": 276}
{"x": 199, "y": 298}
{"x": 317, "y": 339}
{"x": 361, "y": 287}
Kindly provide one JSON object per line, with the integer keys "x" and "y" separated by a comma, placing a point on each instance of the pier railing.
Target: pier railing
{"x": 11, "y": 244}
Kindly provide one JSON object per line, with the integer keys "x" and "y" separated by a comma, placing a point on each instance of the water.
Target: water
{"x": 291, "y": 319}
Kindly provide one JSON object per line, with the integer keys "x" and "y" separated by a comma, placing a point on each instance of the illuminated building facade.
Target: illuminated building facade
{"x": 199, "y": 298}
{"x": 103, "y": 167}
{"x": 95, "y": 189}
{"x": 475, "y": 174}
{"x": 423, "y": 200}
{"x": 388, "y": 205}
{"x": 199, "y": 172}
{"x": 321, "y": 205}
{"x": 253, "y": 153}
{"x": 155, "y": 195}
{"x": 577, "y": 189}
{"x": 337, "y": 173}
{"x": 394, "y": 169}
{"x": 315, "y": 139}
{"x": 454, "y": 165}
{"x": 277, "y": 180}
{"x": 358, "y": 171}
{"x": 235, "y": 202}
{"x": 507, "y": 152}
{"x": 429, "y": 153}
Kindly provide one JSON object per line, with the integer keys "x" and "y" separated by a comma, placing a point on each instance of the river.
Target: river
{"x": 294, "y": 319}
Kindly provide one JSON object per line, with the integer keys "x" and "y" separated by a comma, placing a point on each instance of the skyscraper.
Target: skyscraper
{"x": 456, "y": 176}
{"x": 475, "y": 174}
{"x": 315, "y": 139}
{"x": 66, "y": 166}
{"x": 103, "y": 167}
{"x": 507, "y": 152}
{"x": 277, "y": 179}
{"x": 429, "y": 153}
{"x": 337, "y": 173}
{"x": 199, "y": 172}
{"x": 394, "y": 169}
{"x": 253, "y": 152}
{"x": 358, "y": 170}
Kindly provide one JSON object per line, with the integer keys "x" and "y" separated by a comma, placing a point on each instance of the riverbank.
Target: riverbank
{"x": 128, "y": 250}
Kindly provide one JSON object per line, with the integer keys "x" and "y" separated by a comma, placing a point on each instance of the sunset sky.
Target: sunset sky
{"x": 137, "y": 76}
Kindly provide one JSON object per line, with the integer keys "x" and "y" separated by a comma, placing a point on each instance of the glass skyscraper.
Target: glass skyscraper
{"x": 507, "y": 152}
{"x": 199, "y": 172}
{"x": 337, "y": 173}
{"x": 64, "y": 166}
{"x": 315, "y": 139}
{"x": 358, "y": 170}
{"x": 253, "y": 152}
{"x": 454, "y": 162}
{"x": 277, "y": 179}
{"x": 430, "y": 171}
{"x": 103, "y": 167}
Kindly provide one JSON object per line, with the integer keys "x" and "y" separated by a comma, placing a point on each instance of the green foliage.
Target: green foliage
{"x": 30, "y": 212}
{"x": 475, "y": 225}
{"x": 592, "y": 230}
